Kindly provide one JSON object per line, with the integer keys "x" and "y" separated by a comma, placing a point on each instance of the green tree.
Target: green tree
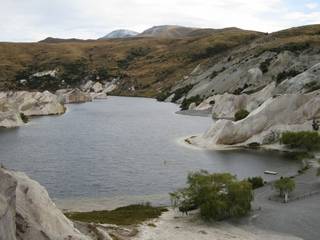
{"x": 285, "y": 186}
{"x": 218, "y": 195}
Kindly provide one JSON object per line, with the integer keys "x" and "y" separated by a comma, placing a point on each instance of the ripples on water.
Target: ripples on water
{"x": 121, "y": 147}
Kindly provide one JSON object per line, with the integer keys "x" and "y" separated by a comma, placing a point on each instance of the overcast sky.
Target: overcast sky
{"x": 33, "y": 20}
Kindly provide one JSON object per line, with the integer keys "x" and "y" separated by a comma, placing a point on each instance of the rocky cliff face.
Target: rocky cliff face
{"x": 27, "y": 213}
{"x": 264, "y": 125}
{"x": 12, "y": 104}
{"x": 7, "y": 206}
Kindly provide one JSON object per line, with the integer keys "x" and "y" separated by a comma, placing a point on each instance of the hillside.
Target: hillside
{"x": 173, "y": 31}
{"x": 148, "y": 65}
{"x": 231, "y": 60}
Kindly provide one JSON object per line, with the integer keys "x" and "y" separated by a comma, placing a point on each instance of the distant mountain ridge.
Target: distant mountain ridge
{"x": 175, "y": 31}
{"x": 162, "y": 31}
{"x": 121, "y": 33}
{"x": 61, "y": 40}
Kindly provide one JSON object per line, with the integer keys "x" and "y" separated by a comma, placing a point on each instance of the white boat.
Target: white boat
{"x": 270, "y": 172}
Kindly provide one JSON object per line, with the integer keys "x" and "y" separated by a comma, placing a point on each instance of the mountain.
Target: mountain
{"x": 174, "y": 31}
{"x": 121, "y": 33}
{"x": 61, "y": 40}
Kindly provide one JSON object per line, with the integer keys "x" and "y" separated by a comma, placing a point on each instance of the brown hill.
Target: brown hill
{"x": 151, "y": 65}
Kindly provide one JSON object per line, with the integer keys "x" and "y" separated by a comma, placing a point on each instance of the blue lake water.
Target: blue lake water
{"x": 121, "y": 147}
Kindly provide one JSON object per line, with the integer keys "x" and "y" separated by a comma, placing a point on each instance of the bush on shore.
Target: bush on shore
{"x": 256, "y": 182}
{"x": 187, "y": 101}
{"x": 241, "y": 114}
{"x": 285, "y": 186}
{"x": 24, "y": 118}
{"x": 306, "y": 140}
{"x": 218, "y": 196}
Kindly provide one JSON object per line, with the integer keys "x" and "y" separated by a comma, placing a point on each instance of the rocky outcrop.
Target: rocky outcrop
{"x": 7, "y": 206}
{"x": 99, "y": 90}
{"x": 9, "y": 116}
{"x": 305, "y": 82}
{"x": 74, "y": 96}
{"x": 226, "y": 105}
{"x": 289, "y": 112}
{"x": 34, "y": 103}
{"x": 27, "y": 212}
{"x": 13, "y": 104}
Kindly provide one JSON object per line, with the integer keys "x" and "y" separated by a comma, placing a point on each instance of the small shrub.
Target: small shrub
{"x": 209, "y": 52}
{"x": 254, "y": 145}
{"x": 256, "y": 182}
{"x": 304, "y": 140}
{"x": 24, "y": 118}
{"x": 293, "y": 47}
{"x": 286, "y": 74}
{"x": 264, "y": 66}
{"x": 179, "y": 93}
{"x": 312, "y": 86}
{"x": 162, "y": 96}
{"x": 241, "y": 114}
{"x": 187, "y": 101}
{"x": 284, "y": 186}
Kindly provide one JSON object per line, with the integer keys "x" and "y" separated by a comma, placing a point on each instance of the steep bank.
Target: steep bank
{"x": 27, "y": 213}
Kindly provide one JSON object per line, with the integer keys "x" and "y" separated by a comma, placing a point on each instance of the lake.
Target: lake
{"x": 122, "y": 147}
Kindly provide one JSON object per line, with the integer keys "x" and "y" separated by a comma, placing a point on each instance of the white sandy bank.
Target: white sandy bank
{"x": 172, "y": 225}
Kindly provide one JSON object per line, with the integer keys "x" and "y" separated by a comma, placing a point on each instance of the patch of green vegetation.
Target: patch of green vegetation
{"x": 264, "y": 66}
{"x": 162, "y": 75}
{"x": 241, "y": 114}
{"x": 312, "y": 86}
{"x": 24, "y": 118}
{"x": 256, "y": 182}
{"x": 254, "y": 145}
{"x": 218, "y": 196}
{"x": 284, "y": 186}
{"x": 187, "y": 101}
{"x": 302, "y": 140}
{"x": 162, "y": 96}
{"x": 299, "y": 155}
{"x": 132, "y": 54}
{"x": 286, "y": 74}
{"x": 209, "y": 52}
{"x": 293, "y": 47}
{"x": 179, "y": 93}
{"x": 239, "y": 90}
{"x": 129, "y": 215}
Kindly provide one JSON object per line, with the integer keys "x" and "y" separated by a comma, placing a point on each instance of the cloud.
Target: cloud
{"x": 312, "y": 5}
{"x": 34, "y": 20}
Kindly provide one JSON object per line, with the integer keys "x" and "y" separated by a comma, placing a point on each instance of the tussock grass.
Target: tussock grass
{"x": 129, "y": 215}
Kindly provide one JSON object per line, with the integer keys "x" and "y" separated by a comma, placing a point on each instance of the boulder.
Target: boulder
{"x": 12, "y": 104}
{"x": 76, "y": 96}
{"x": 7, "y": 206}
{"x": 226, "y": 105}
{"x": 27, "y": 212}
{"x": 34, "y": 103}
{"x": 97, "y": 87}
{"x": 86, "y": 87}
